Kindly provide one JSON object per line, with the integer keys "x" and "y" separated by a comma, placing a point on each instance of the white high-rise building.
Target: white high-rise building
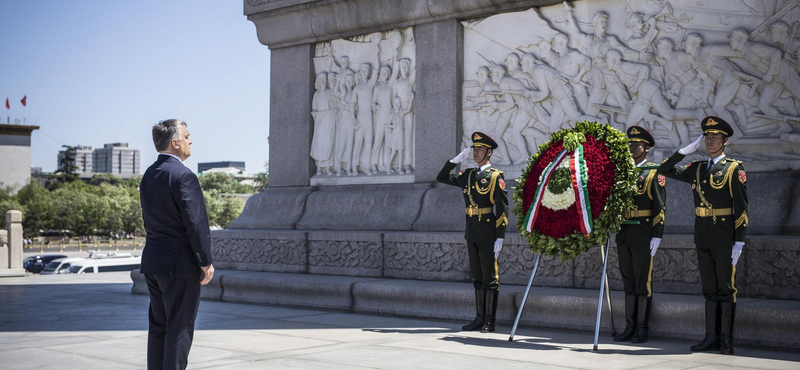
{"x": 116, "y": 158}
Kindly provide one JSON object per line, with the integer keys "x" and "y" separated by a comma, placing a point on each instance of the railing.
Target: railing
{"x": 81, "y": 244}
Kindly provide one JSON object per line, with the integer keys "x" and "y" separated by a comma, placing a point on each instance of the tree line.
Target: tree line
{"x": 108, "y": 205}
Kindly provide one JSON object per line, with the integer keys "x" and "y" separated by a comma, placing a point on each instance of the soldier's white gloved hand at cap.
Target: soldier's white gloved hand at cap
{"x": 654, "y": 243}
{"x": 498, "y": 245}
{"x": 737, "y": 251}
{"x": 691, "y": 148}
{"x": 462, "y": 156}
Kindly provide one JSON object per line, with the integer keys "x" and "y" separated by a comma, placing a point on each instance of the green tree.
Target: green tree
{"x": 37, "y": 201}
{"x": 9, "y": 204}
{"x": 232, "y": 207}
{"x": 67, "y": 169}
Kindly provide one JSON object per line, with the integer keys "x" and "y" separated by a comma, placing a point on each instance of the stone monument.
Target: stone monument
{"x": 13, "y": 248}
{"x": 369, "y": 99}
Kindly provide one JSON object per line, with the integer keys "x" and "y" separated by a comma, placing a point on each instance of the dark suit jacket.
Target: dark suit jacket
{"x": 175, "y": 219}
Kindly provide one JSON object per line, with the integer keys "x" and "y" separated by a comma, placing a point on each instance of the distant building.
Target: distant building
{"x": 83, "y": 159}
{"x": 203, "y": 167}
{"x": 15, "y": 151}
{"x": 116, "y": 158}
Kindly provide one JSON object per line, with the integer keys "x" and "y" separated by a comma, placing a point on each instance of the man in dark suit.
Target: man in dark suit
{"x": 177, "y": 256}
{"x": 484, "y": 190}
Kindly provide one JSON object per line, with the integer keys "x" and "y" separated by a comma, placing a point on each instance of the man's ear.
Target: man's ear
{"x": 725, "y": 142}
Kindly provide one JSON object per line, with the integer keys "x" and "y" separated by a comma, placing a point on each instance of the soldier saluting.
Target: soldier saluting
{"x": 637, "y": 243}
{"x": 487, "y": 204}
{"x": 720, "y": 199}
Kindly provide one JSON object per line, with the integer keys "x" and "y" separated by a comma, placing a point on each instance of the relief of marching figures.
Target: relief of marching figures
{"x": 531, "y": 73}
{"x": 363, "y": 105}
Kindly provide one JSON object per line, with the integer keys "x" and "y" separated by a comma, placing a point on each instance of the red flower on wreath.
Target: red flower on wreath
{"x": 558, "y": 224}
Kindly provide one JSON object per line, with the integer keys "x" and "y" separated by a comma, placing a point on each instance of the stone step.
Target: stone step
{"x": 759, "y": 322}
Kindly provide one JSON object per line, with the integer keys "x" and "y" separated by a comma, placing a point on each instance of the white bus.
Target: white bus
{"x": 97, "y": 265}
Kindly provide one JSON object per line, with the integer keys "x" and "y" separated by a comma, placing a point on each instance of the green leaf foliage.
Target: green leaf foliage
{"x": 619, "y": 202}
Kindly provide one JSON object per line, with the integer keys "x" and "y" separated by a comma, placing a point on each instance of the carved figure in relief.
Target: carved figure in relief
{"x": 382, "y": 112}
{"x": 682, "y": 87}
{"x": 362, "y": 148}
{"x": 573, "y": 65}
{"x": 324, "y": 114}
{"x": 404, "y": 89}
{"x": 484, "y": 102}
{"x": 345, "y": 132}
{"x": 779, "y": 35}
{"x": 721, "y": 82}
{"x": 644, "y": 92}
{"x": 512, "y": 91}
{"x": 596, "y": 45}
{"x": 641, "y": 35}
{"x": 526, "y": 111}
{"x": 396, "y": 138}
{"x": 548, "y": 83}
{"x": 763, "y": 61}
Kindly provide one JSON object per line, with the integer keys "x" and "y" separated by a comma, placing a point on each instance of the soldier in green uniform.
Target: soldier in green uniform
{"x": 484, "y": 191}
{"x": 720, "y": 199}
{"x": 638, "y": 243}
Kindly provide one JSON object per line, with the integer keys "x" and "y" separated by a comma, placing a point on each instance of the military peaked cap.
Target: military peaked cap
{"x": 713, "y": 124}
{"x": 479, "y": 139}
{"x": 638, "y": 133}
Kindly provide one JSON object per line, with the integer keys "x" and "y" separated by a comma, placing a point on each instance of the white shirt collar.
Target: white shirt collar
{"x": 641, "y": 163}
{"x": 173, "y": 156}
{"x": 485, "y": 167}
{"x": 716, "y": 159}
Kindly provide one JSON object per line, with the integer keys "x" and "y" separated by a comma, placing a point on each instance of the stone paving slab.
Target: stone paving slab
{"x": 67, "y": 331}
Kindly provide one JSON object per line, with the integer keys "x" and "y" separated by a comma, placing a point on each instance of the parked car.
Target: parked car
{"x": 97, "y": 265}
{"x": 36, "y": 264}
{"x": 59, "y": 266}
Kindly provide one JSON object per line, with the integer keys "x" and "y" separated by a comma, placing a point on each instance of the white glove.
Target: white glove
{"x": 654, "y": 243}
{"x": 737, "y": 251}
{"x": 691, "y": 148}
{"x": 462, "y": 156}
{"x": 498, "y": 245}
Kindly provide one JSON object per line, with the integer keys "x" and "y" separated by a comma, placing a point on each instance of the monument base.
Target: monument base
{"x": 12, "y": 273}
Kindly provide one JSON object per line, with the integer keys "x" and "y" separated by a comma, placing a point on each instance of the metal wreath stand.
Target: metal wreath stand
{"x": 603, "y": 289}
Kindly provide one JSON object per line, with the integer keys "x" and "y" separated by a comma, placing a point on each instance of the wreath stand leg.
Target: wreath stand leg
{"x": 524, "y": 298}
{"x": 608, "y": 290}
{"x": 603, "y": 285}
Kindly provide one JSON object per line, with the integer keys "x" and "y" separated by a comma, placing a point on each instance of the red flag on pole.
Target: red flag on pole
{"x": 24, "y": 101}
{"x": 8, "y": 106}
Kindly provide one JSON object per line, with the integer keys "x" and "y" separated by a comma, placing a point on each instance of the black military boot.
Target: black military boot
{"x": 491, "y": 310}
{"x": 480, "y": 308}
{"x": 630, "y": 320}
{"x": 727, "y": 316}
{"x": 642, "y": 327}
{"x": 711, "y": 341}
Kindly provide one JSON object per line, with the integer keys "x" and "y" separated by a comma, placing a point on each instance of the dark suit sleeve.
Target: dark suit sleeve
{"x": 500, "y": 207}
{"x": 659, "y": 205}
{"x": 738, "y": 188}
{"x": 669, "y": 169}
{"x": 445, "y": 177}
{"x": 195, "y": 218}
{"x": 141, "y": 202}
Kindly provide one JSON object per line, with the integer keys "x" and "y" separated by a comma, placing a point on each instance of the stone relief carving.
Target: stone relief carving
{"x": 353, "y": 254}
{"x": 660, "y": 64}
{"x": 363, "y": 106}
{"x": 261, "y": 251}
{"x": 425, "y": 257}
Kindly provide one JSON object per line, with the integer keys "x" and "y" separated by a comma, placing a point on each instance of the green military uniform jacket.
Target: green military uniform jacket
{"x": 482, "y": 191}
{"x": 649, "y": 205}
{"x": 720, "y": 199}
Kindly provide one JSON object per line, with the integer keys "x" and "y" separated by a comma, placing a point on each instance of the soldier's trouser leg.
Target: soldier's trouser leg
{"x": 726, "y": 291}
{"x": 477, "y": 282}
{"x": 709, "y": 261}
{"x": 642, "y": 272}
{"x": 483, "y": 267}
{"x": 629, "y": 286}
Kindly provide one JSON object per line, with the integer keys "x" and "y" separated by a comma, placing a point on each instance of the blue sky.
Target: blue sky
{"x": 98, "y": 71}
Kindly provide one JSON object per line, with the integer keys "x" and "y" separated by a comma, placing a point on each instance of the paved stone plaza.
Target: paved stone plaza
{"x": 92, "y": 321}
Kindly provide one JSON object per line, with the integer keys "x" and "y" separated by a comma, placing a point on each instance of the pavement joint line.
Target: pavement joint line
{"x": 92, "y": 357}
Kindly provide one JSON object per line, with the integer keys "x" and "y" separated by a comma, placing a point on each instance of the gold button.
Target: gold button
{"x": 703, "y": 191}
{"x": 723, "y": 219}
{"x": 646, "y": 220}
{"x": 704, "y": 181}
